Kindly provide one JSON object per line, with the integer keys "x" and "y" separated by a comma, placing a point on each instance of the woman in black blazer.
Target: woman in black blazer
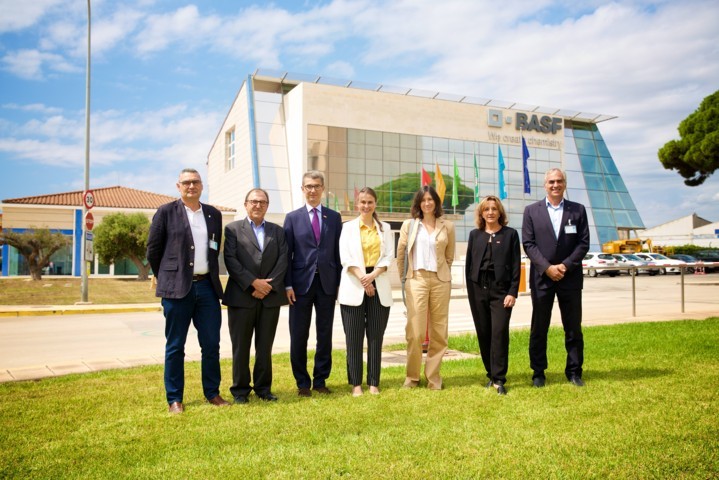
{"x": 492, "y": 271}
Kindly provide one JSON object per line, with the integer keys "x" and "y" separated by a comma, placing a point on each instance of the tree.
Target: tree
{"x": 696, "y": 155}
{"x": 37, "y": 245}
{"x": 121, "y": 236}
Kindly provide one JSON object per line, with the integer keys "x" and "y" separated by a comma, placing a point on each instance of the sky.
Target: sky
{"x": 165, "y": 72}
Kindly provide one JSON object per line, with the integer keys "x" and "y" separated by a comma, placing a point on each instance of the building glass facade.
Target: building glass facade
{"x": 299, "y": 123}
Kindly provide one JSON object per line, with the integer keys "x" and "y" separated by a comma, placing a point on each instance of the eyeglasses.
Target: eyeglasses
{"x": 187, "y": 183}
{"x": 313, "y": 188}
{"x": 261, "y": 203}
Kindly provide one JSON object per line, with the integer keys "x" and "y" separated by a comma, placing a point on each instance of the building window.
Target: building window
{"x": 230, "y": 149}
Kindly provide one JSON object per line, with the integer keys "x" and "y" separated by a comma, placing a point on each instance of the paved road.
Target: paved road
{"x": 36, "y": 344}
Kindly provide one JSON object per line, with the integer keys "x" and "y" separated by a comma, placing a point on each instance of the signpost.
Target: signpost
{"x": 89, "y": 248}
{"x": 89, "y": 221}
{"x": 88, "y": 198}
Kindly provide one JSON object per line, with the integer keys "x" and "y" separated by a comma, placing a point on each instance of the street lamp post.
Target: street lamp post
{"x": 84, "y": 262}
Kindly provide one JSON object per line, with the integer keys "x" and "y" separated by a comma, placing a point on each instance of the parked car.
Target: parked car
{"x": 708, "y": 256}
{"x": 631, "y": 260}
{"x": 685, "y": 258}
{"x": 599, "y": 259}
{"x": 666, "y": 264}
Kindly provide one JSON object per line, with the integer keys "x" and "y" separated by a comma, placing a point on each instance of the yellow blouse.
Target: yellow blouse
{"x": 370, "y": 244}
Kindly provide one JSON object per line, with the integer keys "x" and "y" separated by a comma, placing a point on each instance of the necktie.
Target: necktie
{"x": 316, "y": 225}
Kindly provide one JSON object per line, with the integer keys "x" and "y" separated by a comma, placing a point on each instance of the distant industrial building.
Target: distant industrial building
{"x": 689, "y": 230}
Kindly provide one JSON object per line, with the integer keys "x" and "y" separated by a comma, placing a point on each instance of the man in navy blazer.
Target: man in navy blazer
{"x": 312, "y": 233}
{"x": 182, "y": 249}
{"x": 256, "y": 259}
{"x": 555, "y": 235}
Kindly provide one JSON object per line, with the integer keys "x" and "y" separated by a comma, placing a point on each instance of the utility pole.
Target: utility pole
{"x": 84, "y": 262}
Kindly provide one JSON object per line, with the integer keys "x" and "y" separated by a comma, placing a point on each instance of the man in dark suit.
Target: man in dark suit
{"x": 313, "y": 234}
{"x": 555, "y": 235}
{"x": 256, "y": 259}
{"x": 182, "y": 249}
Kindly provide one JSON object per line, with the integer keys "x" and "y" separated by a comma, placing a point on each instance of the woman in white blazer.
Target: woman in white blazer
{"x": 365, "y": 293}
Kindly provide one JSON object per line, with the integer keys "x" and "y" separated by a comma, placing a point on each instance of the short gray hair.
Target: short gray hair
{"x": 314, "y": 175}
{"x": 552, "y": 170}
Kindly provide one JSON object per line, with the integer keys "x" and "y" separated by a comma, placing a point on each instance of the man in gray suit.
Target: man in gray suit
{"x": 256, "y": 259}
{"x": 555, "y": 235}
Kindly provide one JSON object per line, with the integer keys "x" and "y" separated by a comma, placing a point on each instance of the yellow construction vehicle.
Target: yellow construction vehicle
{"x": 628, "y": 245}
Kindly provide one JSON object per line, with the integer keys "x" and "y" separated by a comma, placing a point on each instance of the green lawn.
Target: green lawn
{"x": 650, "y": 410}
{"x": 55, "y": 290}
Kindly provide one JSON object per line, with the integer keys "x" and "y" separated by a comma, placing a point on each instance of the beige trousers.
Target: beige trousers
{"x": 425, "y": 292}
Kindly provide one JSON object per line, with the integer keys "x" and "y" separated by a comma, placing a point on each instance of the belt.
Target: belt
{"x": 198, "y": 278}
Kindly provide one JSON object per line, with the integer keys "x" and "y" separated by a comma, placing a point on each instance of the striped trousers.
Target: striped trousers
{"x": 370, "y": 317}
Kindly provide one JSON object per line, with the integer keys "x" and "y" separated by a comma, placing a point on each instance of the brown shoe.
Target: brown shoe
{"x": 304, "y": 392}
{"x": 176, "y": 407}
{"x": 322, "y": 390}
{"x": 218, "y": 401}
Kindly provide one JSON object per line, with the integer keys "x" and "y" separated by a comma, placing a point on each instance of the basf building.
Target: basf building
{"x": 281, "y": 125}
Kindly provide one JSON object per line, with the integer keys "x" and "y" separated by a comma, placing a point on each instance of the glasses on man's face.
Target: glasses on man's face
{"x": 187, "y": 183}
{"x": 261, "y": 203}
{"x": 313, "y": 188}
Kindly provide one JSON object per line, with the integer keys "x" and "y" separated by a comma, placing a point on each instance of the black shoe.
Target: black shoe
{"x": 489, "y": 384}
{"x": 539, "y": 382}
{"x": 304, "y": 392}
{"x": 267, "y": 397}
{"x": 576, "y": 381}
{"x": 322, "y": 390}
{"x": 241, "y": 399}
{"x": 500, "y": 388}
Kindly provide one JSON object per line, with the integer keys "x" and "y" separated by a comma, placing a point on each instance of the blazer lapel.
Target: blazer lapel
{"x": 412, "y": 235}
{"x": 566, "y": 211}
{"x": 250, "y": 234}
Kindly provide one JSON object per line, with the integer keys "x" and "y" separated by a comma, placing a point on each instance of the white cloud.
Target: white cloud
{"x": 33, "y": 107}
{"x": 175, "y": 136}
{"x": 17, "y": 15}
{"x": 29, "y": 64}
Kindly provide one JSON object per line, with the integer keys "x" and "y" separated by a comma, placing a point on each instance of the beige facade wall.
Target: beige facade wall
{"x": 22, "y": 216}
{"x": 228, "y": 187}
{"x": 370, "y": 110}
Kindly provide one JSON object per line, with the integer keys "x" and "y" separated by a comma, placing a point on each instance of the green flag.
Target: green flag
{"x": 476, "y": 180}
{"x": 455, "y": 185}
{"x": 390, "y": 194}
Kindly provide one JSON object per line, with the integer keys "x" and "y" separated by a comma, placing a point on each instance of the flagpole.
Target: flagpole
{"x": 454, "y": 180}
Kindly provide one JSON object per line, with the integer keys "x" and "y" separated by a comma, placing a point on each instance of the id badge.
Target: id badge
{"x": 213, "y": 245}
{"x": 569, "y": 229}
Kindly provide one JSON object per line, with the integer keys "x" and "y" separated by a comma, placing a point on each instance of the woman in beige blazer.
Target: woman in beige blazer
{"x": 365, "y": 293}
{"x": 428, "y": 242}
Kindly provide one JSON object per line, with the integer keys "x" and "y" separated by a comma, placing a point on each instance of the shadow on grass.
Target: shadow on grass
{"x": 521, "y": 380}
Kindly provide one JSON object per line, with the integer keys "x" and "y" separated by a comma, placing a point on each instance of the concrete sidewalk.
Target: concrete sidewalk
{"x": 42, "y": 340}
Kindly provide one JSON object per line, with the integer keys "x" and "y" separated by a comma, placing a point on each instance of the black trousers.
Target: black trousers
{"x": 491, "y": 321}
{"x": 570, "y": 307}
{"x": 371, "y": 318}
{"x": 243, "y": 322}
{"x": 300, "y": 321}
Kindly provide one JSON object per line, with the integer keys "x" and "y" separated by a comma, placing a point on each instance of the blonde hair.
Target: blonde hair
{"x": 483, "y": 205}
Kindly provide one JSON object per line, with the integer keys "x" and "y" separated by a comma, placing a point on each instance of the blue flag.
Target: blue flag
{"x": 502, "y": 185}
{"x": 525, "y": 157}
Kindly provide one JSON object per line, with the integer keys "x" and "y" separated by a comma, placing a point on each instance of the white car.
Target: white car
{"x": 631, "y": 260}
{"x": 599, "y": 259}
{"x": 666, "y": 264}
